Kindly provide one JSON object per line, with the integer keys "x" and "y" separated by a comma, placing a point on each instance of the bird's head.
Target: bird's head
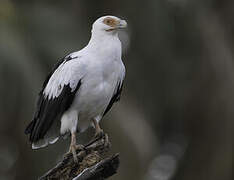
{"x": 108, "y": 25}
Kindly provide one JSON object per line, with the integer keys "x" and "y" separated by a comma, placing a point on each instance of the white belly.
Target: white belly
{"x": 90, "y": 102}
{"x": 93, "y": 97}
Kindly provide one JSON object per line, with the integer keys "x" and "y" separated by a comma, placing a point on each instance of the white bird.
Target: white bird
{"x": 81, "y": 88}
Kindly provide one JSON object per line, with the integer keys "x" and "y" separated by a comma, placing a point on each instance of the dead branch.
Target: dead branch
{"x": 92, "y": 163}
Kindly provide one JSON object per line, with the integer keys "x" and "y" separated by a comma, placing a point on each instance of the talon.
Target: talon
{"x": 106, "y": 141}
{"x": 99, "y": 133}
{"x": 67, "y": 154}
{"x": 73, "y": 149}
{"x": 79, "y": 147}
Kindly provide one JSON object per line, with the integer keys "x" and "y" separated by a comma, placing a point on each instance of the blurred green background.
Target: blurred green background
{"x": 175, "y": 117}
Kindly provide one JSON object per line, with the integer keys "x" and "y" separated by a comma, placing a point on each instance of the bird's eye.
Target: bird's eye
{"x": 109, "y": 22}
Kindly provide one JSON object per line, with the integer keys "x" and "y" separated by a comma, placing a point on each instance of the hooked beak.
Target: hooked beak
{"x": 122, "y": 24}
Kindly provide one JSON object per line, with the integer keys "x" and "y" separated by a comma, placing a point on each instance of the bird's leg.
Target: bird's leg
{"x": 98, "y": 131}
{"x": 74, "y": 146}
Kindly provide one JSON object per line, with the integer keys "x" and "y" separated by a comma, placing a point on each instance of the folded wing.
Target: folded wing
{"x": 56, "y": 96}
{"x": 117, "y": 91}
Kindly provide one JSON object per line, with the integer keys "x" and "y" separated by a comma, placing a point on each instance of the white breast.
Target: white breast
{"x": 104, "y": 70}
{"x": 94, "y": 95}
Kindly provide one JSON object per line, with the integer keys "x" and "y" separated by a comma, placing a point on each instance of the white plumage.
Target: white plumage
{"x": 84, "y": 86}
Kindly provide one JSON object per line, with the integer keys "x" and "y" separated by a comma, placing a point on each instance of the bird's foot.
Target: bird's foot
{"x": 99, "y": 133}
{"x": 73, "y": 149}
{"x": 106, "y": 141}
{"x": 79, "y": 147}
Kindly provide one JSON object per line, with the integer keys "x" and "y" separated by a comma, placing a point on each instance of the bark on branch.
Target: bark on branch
{"x": 92, "y": 163}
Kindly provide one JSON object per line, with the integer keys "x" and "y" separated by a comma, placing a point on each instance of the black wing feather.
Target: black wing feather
{"x": 115, "y": 98}
{"x": 50, "y": 109}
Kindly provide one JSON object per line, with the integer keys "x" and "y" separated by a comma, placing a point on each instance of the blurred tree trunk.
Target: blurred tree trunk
{"x": 210, "y": 109}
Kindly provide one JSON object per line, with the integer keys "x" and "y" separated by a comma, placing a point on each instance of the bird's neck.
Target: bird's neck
{"x": 105, "y": 43}
{"x": 102, "y": 36}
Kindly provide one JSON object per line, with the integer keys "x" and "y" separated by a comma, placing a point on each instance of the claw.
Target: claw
{"x": 79, "y": 147}
{"x": 74, "y": 147}
{"x": 100, "y": 133}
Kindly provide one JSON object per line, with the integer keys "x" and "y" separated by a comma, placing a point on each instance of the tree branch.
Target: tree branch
{"x": 92, "y": 163}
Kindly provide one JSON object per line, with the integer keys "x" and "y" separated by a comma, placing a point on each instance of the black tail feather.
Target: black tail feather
{"x": 29, "y": 128}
